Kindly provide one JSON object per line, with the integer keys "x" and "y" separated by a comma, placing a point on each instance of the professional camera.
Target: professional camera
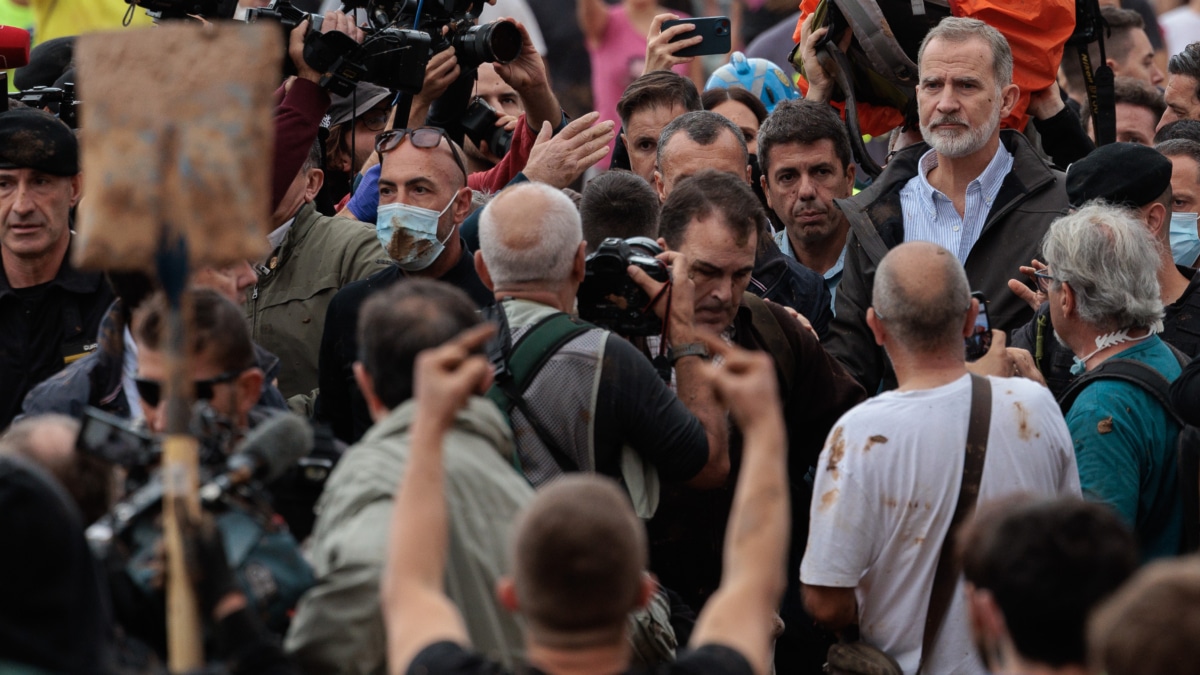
{"x": 608, "y": 297}
{"x": 479, "y": 123}
{"x": 498, "y": 42}
{"x": 61, "y": 102}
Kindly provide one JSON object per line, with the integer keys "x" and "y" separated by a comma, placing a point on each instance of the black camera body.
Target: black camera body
{"x": 479, "y": 123}
{"x": 608, "y": 297}
{"x": 61, "y": 102}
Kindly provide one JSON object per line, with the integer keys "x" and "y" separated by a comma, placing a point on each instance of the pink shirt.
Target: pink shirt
{"x": 617, "y": 62}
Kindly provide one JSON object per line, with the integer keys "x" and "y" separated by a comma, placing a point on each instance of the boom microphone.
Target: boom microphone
{"x": 268, "y": 451}
{"x": 14, "y": 47}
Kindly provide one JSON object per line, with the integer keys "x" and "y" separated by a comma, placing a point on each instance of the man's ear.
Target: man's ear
{"x": 313, "y": 183}
{"x": 750, "y": 175}
{"x": 506, "y": 594}
{"x": 969, "y": 322}
{"x": 850, "y": 173}
{"x": 876, "y": 326}
{"x": 579, "y": 268}
{"x": 658, "y": 186}
{"x": 1066, "y": 299}
{"x": 462, "y": 205}
{"x": 762, "y": 183}
{"x": 367, "y": 386}
{"x": 1008, "y": 99}
{"x": 76, "y": 188}
{"x": 662, "y": 243}
{"x": 482, "y": 270}
{"x": 249, "y": 389}
{"x": 1157, "y": 218}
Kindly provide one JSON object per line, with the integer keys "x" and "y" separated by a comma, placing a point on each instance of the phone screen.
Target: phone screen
{"x": 981, "y": 338}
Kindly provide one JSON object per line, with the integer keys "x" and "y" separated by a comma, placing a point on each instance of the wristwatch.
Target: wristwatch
{"x": 687, "y": 349}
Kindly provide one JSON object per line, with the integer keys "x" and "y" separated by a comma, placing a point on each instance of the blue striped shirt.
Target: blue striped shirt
{"x": 930, "y": 216}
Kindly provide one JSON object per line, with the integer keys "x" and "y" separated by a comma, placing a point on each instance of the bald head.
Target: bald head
{"x": 579, "y": 554}
{"x": 529, "y": 235}
{"x": 922, "y": 295}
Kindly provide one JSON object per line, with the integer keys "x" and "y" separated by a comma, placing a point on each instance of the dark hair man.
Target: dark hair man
{"x": 221, "y": 358}
{"x": 892, "y": 467}
{"x": 1035, "y": 569}
{"x": 618, "y": 204}
{"x": 338, "y": 626}
{"x": 1150, "y": 626}
{"x": 705, "y": 140}
{"x": 1127, "y": 52}
{"x": 578, "y": 551}
{"x": 977, "y": 191}
{"x": 649, "y": 103}
{"x": 1139, "y": 107}
{"x": 805, "y": 155}
{"x": 597, "y": 393}
{"x": 423, "y": 198}
{"x": 49, "y": 311}
{"x": 312, "y": 257}
{"x": 709, "y": 225}
{"x": 1103, "y": 290}
{"x": 1182, "y": 94}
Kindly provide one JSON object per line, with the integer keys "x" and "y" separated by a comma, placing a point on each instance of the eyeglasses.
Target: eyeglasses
{"x": 151, "y": 390}
{"x": 422, "y": 137}
{"x": 374, "y": 120}
{"x": 1043, "y": 280}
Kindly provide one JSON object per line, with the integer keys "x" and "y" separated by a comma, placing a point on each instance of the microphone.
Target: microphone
{"x": 266, "y": 453}
{"x": 14, "y": 47}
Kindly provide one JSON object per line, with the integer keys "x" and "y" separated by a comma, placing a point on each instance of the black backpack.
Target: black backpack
{"x": 1187, "y": 445}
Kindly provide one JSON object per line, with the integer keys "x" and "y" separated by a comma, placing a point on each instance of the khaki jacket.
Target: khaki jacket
{"x": 338, "y": 627}
{"x": 286, "y": 309}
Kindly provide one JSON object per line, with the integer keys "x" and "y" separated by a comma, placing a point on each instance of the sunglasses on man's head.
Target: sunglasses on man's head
{"x": 422, "y": 137}
{"x": 150, "y": 391}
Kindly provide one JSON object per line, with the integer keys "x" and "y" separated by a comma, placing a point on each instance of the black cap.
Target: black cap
{"x": 365, "y": 96}
{"x": 1126, "y": 174}
{"x": 47, "y": 62}
{"x": 32, "y": 139}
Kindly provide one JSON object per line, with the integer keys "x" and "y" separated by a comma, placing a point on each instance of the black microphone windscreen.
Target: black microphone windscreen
{"x": 276, "y": 444}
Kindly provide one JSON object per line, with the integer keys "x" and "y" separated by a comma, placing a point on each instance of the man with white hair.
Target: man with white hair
{"x": 982, "y": 193}
{"x": 1100, "y": 280}
{"x": 586, "y": 396}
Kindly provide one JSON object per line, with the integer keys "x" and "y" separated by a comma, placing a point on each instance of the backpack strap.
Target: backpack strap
{"x": 522, "y": 363}
{"x": 945, "y": 579}
{"x": 763, "y": 321}
{"x": 1126, "y": 370}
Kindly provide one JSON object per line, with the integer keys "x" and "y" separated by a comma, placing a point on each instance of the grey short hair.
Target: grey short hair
{"x": 703, "y": 127}
{"x": 558, "y": 233}
{"x": 1111, "y": 262}
{"x": 960, "y": 29}
{"x": 921, "y": 320}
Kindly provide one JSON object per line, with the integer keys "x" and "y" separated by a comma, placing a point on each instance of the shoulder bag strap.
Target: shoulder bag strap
{"x": 945, "y": 580}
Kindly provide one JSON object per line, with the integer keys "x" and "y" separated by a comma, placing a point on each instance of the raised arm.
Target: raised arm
{"x": 416, "y": 611}
{"x": 593, "y": 20}
{"x": 741, "y": 614}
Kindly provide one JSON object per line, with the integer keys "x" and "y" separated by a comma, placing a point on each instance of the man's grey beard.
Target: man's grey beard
{"x": 964, "y": 143}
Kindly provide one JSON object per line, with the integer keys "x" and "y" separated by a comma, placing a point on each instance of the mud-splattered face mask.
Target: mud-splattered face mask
{"x": 409, "y": 234}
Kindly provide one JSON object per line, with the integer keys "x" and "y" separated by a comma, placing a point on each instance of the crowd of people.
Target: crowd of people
{"x": 656, "y": 375}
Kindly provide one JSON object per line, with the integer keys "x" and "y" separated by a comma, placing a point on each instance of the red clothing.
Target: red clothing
{"x": 298, "y": 115}
{"x": 495, "y": 178}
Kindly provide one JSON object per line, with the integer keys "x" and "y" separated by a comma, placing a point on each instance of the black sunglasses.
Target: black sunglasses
{"x": 151, "y": 390}
{"x": 422, "y": 137}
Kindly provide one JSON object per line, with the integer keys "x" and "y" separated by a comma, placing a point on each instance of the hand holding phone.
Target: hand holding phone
{"x": 715, "y": 33}
{"x": 981, "y": 338}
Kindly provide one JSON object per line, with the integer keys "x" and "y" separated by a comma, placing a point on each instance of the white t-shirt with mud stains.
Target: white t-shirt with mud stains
{"x": 886, "y": 487}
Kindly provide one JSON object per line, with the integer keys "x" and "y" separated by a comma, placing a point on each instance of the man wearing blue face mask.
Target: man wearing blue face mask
{"x": 423, "y": 198}
{"x": 1107, "y": 173}
{"x": 1185, "y": 198}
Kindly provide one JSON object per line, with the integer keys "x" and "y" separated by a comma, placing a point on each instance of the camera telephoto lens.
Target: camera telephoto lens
{"x": 498, "y": 42}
